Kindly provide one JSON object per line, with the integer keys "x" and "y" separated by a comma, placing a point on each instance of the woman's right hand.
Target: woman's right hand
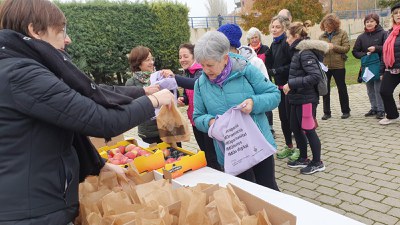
{"x": 181, "y": 101}
{"x": 163, "y": 97}
{"x": 151, "y": 89}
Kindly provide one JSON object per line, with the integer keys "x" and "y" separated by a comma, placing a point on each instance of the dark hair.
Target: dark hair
{"x": 373, "y": 16}
{"x": 137, "y": 56}
{"x": 299, "y": 29}
{"x": 18, "y": 14}
{"x": 332, "y": 20}
{"x": 188, "y": 46}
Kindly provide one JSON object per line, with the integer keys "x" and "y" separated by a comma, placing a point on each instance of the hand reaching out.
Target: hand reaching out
{"x": 247, "y": 106}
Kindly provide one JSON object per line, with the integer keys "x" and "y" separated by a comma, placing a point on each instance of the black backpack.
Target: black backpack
{"x": 322, "y": 86}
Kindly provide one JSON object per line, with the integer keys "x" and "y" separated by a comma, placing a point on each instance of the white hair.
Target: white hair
{"x": 213, "y": 45}
{"x": 253, "y": 32}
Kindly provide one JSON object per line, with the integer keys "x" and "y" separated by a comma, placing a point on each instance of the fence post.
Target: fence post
{"x": 191, "y": 20}
{"x": 207, "y": 22}
{"x": 234, "y": 19}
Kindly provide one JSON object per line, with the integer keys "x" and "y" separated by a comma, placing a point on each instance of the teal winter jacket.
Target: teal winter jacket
{"x": 245, "y": 81}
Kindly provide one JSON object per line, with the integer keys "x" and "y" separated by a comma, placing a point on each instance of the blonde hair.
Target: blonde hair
{"x": 299, "y": 29}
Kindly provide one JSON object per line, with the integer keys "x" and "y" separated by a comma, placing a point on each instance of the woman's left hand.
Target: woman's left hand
{"x": 286, "y": 89}
{"x": 247, "y": 106}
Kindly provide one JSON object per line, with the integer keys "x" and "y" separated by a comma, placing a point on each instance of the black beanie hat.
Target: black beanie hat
{"x": 397, "y": 5}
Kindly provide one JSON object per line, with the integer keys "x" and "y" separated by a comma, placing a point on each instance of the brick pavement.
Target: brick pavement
{"x": 362, "y": 158}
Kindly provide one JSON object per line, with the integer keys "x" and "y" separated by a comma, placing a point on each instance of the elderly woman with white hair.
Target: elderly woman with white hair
{"x": 228, "y": 80}
{"x": 254, "y": 40}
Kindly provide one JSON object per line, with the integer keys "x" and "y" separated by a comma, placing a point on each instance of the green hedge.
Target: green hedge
{"x": 104, "y": 32}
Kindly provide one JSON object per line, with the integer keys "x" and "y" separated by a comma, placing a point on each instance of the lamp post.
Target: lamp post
{"x": 331, "y": 5}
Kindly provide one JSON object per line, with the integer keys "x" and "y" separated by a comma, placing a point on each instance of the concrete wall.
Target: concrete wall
{"x": 352, "y": 26}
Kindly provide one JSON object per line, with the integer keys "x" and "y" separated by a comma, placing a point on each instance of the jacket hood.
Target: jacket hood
{"x": 313, "y": 45}
{"x": 377, "y": 29}
{"x": 247, "y": 52}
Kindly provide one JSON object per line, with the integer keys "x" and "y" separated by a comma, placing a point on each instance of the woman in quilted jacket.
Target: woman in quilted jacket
{"x": 303, "y": 96}
{"x": 229, "y": 80}
{"x": 334, "y": 59}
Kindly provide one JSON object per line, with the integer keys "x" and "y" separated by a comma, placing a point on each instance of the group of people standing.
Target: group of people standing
{"x": 49, "y": 107}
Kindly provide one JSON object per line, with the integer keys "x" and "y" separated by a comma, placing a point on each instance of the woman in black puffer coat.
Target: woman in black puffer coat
{"x": 304, "y": 75}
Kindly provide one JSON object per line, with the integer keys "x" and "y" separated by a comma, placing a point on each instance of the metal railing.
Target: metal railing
{"x": 212, "y": 21}
{"x": 354, "y": 14}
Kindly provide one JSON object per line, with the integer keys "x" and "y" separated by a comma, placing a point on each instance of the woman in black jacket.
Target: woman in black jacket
{"x": 303, "y": 96}
{"x": 391, "y": 68}
{"x": 371, "y": 41}
{"x": 47, "y": 108}
{"x": 278, "y": 63}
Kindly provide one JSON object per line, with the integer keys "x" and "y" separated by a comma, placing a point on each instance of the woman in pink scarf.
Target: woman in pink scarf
{"x": 391, "y": 68}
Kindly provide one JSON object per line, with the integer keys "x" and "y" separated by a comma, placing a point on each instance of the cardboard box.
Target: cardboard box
{"x": 143, "y": 163}
{"x": 276, "y": 215}
{"x": 191, "y": 161}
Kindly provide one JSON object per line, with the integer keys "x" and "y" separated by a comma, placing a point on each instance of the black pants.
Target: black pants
{"x": 389, "y": 83}
{"x": 157, "y": 140}
{"x": 284, "y": 115}
{"x": 262, "y": 174}
{"x": 206, "y": 144}
{"x": 339, "y": 75}
{"x": 301, "y": 136}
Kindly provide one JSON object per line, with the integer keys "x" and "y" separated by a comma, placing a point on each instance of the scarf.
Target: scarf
{"x": 369, "y": 30}
{"x": 330, "y": 35}
{"x": 280, "y": 37}
{"x": 193, "y": 68}
{"x": 224, "y": 74}
{"x": 257, "y": 47}
{"x": 142, "y": 76}
{"x": 17, "y": 45}
{"x": 388, "y": 47}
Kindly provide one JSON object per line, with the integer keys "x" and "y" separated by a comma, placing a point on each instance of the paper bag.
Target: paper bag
{"x": 172, "y": 126}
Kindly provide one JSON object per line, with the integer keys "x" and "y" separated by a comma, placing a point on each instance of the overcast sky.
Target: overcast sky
{"x": 198, "y": 8}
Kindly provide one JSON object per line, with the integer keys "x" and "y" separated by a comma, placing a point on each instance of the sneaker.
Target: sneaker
{"x": 313, "y": 167}
{"x": 370, "y": 113}
{"x": 326, "y": 116}
{"x": 295, "y": 155}
{"x": 345, "y": 115}
{"x": 387, "y": 121}
{"x": 380, "y": 115}
{"x": 284, "y": 153}
{"x": 299, "y": 163}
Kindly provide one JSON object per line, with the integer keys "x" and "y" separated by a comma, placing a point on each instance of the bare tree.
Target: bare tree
{"x": 216, "y": 7}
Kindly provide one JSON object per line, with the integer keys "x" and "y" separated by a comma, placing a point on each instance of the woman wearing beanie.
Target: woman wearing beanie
{"x": 278, "y": 64}
{"x": 303, "y": 96}
{"x": 391, "y": 68}
{"x": 234, "y": 33}
{"x": 371, "y": 41}
{"x": 339, "y": 45}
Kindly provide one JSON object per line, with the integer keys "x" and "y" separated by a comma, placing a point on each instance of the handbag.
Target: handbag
{"x": 240, "y": 140}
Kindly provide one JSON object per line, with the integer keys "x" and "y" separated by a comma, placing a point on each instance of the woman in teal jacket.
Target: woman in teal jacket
{"x": 229, "y": 80}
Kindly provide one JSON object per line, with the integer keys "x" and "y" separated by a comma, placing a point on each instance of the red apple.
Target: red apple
{"x": 115, "y": 150}
{"x": 118, "y": 156}
{"x": 166, "y": 152}
{"x": 129, "y": 147}
{"x": 170, "y": 160}
{"x": 122, "y": 149}
{"x": 131, "y": 155}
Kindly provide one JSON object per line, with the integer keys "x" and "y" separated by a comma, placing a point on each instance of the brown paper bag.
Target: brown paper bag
{"x": 193, "y": 206}
{"x": 172, "y": 126}
{"x": 226, "y": 212}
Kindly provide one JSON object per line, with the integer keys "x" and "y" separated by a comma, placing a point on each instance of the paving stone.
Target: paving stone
{"x": 355, "y": 208}
{"x": 365, "y": 186}
{"x": 381, "y": 176}
{"x": 381, "y": 217}
{"x": 394, "y": 212}
{"x": 395, "y": 202}
{"x": 388, "y": 184}
{"x": 347, "y": 189}
{"x": 362, "y": 178}
{"x": 389, "y": 192}
{"x": 350, "y": 198}
{"x": 329, "y": 200}
{"x": 375, "y": 205}
{"x": 371, "y": 195}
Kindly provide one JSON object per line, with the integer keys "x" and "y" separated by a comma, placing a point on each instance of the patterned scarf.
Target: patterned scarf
{"x": 388, "y": 47}
{"x": 142, "y": 76}
{"x": 255, "y": 48}
{"x": 224, "y": 74}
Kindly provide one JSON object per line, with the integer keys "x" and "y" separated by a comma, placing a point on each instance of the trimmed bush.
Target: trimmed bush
{"x": 103, "y": 33}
